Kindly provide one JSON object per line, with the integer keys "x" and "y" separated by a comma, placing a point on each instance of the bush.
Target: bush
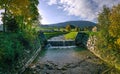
{"x": 10, "y": 49}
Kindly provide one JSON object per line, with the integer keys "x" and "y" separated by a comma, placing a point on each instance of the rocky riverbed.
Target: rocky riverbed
{"x": 67, "y": 61}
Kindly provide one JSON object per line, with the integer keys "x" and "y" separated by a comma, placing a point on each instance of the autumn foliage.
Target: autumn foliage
{"x": 109, "y": 28}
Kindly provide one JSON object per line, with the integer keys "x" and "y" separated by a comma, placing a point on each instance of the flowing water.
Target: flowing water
{"x": 66, "y": 60}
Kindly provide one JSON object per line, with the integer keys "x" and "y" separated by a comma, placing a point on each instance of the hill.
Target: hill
{"x": 74, "y": 23}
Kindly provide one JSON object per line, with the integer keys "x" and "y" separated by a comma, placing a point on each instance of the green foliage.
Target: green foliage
{"x": 90, "y": 33}
{"x": 109, "y": 28}
{"x": 114, "y": 28}
{"x": 103, "y": 24}
{"x": 19, "y": 22}
{"x": 27, "y": 9}
{"x": 71, "y": 35}
{"x": 77, "y": 29}
{"x": 12, "y": 25}
{"x": 10, "y": 49}
{"x": 68, "y": 28}
{"x": 52, "y": 34}
{"x": 108, "y": 41}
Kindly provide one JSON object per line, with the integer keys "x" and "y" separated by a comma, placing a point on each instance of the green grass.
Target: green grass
{"x": 71, "y": 35}
{"x": 90, "y": 33}
{"x": 52, "y": 34}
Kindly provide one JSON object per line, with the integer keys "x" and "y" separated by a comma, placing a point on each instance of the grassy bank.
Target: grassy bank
{"x": 52, "y": 34}
{"x": 71, "y": 35}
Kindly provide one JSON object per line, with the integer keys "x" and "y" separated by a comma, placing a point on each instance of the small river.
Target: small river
{"x": 73, "y": 60}
{"x": 67, "y": 60}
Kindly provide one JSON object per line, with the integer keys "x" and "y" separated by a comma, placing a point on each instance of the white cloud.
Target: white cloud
{"x": 51, "y": 2}
{"x": 86, "y": 9}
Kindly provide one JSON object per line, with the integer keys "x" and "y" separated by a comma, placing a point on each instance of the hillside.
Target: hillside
{"x": 75, "y": 23}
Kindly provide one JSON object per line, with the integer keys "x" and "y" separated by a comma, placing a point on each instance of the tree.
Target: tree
{"x": 103, "y": 24}
{"x": 24, "y": 10}
{"x": 114, "y": 28}
{"x": 15, "y": 7}
{"x": 77, "y": 29}
{"x": 68, "y": 28}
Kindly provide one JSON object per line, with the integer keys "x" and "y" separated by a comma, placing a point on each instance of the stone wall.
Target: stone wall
{"x": 81, "y": 39}
{"x": 29, "y": 59}
{"x": 89, "y": 42}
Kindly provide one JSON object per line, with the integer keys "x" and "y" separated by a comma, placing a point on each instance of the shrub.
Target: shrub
{"x": 10, "y": 49}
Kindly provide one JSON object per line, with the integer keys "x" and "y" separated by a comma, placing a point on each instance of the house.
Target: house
{"x": 94, "y": 29}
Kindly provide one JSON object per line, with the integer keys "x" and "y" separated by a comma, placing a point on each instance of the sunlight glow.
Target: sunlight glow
{"x": 43, "y": 21}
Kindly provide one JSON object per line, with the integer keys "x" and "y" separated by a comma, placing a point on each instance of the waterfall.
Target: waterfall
{"x": 63, "y": 43}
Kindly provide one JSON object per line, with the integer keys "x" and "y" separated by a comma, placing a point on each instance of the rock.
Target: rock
{"x": 63, "y": 72}
{"x": 34, "y": 72}
{"x": 32, "y": 67}
{"x": 59, "y": 68}
{"x": 49, "y": 66}
{"x": 63, "y": 68}
{"x": 88, "y": 57}
{"x": 67, "y": 65}
{"x": 40, "y": 65}
{"x": 73, "y": 65}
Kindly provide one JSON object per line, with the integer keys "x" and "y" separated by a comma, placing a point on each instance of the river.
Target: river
{"x": 67, "y": 60}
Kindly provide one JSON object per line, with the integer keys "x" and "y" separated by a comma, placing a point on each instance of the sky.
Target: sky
{"x": 55, "y": 11}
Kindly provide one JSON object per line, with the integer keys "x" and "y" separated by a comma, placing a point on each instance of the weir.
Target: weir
{"x": 61, "y": 43}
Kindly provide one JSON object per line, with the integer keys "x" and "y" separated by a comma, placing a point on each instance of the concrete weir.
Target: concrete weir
{"x": 61, "y": 43}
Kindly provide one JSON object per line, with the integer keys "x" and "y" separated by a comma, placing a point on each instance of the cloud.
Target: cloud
{"x": 51, "y": 2}
{"x": 85, "y": 9}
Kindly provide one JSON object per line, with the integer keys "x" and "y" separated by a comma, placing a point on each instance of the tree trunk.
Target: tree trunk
{"x": 4, "y": 20}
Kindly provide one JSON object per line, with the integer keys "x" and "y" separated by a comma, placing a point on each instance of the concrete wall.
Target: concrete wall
{"x": 61, "y": 43}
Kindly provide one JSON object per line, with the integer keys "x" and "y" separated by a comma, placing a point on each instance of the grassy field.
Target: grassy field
{"x": 71, "y": 35}
{"x": 52, "y": 34}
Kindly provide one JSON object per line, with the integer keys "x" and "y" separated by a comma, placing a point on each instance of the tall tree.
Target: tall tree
{"x": 24, "y": 11}
{"x": 114, "y": 28}
{"x": 15, "y": 8}
{"x": 103, "y": 24}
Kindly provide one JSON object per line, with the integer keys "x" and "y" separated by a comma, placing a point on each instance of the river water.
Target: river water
{"x": 66, "y": 60}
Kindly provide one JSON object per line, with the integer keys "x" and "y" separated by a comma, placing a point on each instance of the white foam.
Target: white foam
{"x": 59, "y": 47}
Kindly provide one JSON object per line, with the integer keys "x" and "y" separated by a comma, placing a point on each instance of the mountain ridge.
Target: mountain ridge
{"x": 74, "y": 23}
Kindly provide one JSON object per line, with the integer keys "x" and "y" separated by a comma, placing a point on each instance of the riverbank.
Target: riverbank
{"x": 73, "y": 60}
{"x": 89, "y": 42}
